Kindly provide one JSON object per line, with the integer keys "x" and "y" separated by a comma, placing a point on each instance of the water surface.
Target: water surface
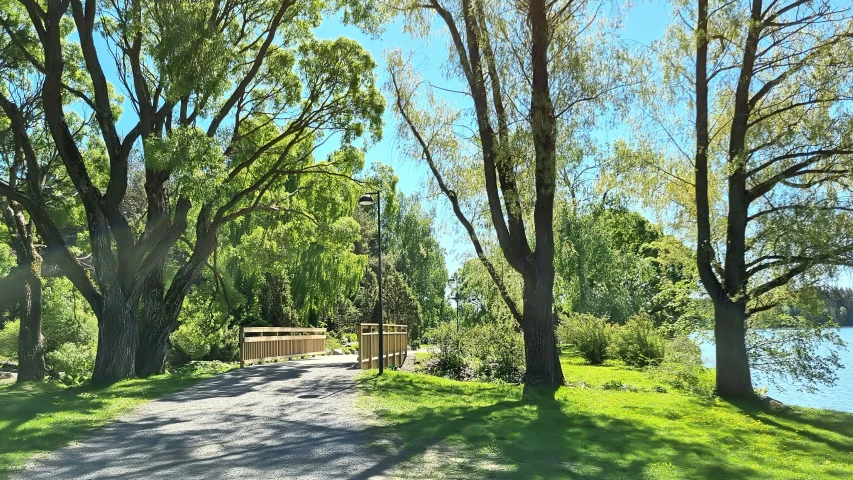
{"x": 838, "y": 397}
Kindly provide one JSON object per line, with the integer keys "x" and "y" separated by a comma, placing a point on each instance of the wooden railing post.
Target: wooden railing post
{"x": 242, "y": 356}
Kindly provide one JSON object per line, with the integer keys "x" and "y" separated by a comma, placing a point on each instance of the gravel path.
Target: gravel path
{"x": 291, "y": 420}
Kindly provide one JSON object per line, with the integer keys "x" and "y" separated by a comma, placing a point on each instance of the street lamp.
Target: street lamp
{"x": 367, "y": 201}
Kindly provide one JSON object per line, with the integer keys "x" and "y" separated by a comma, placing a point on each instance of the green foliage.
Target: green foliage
{"x": 588, "y": 335}
{"x": 498, "y": 349}
{"x": 9, "y": 339}
{"x": 613, "y": 262}
{"x": 275, "y": 301}
{"x": 638, "y": 343}
{"x": 333, "y": 343}
{"x": 205, "y": 333}
{"x": 411, "y": 240}
{"x": 190, "y": 342}
{"x": 66, "y": 316}
{"x": 205, "y": 368}
{"x": 190, "y": 51}
{"x": 193, "y": 159}
{"x": 71, "y": 363}
{"x": 450, "y": 358}
{"x": 682, "y": 368}
{"x": 400, "y": 305}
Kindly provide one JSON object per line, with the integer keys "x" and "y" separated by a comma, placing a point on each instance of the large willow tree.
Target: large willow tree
{"x": 526, "y": 77}
{"x": 756, "y": 119}
{"x": 228, "y": 99}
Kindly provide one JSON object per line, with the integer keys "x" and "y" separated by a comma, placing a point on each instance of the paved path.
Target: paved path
{"x": 292, "y": 420}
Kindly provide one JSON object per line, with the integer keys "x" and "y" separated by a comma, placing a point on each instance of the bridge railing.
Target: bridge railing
{"x": 260, "y": 344}
{"x": 396, "y": 339}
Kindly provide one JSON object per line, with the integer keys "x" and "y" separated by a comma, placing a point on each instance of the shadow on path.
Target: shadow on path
{"x": 287, "y": 420}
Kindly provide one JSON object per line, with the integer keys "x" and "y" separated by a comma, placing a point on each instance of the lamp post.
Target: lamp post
{"x": 367, "y": 200}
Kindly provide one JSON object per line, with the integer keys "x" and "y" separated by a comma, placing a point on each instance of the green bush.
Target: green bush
{"x": 498, "y": 349}
{"x": 190, "y": 342}
{"x": 67, "y": 317}
{"x": 333, "y": 343}
{"x": 71, "y": 363}
{"x": 449, "y": 361}
{"x": 9, "y": 340}
{"x": 588, "y": 335}
{"x": 682, "y": 368}
{"x": 210, "y": 367}
{"x": 638, "y": 343}
{"x": 203, "y": 334}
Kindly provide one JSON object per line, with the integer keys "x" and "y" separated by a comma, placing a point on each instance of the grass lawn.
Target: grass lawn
{"x": 41, "y": 417}
{"x": 438, "y": 428}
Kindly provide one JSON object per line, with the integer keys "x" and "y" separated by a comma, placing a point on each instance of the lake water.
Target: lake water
{"x": 838, "y": 397}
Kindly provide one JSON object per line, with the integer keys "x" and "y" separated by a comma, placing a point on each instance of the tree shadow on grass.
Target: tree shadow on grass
{"x": 832, "y": 429}
{"x": 534, "y": 436}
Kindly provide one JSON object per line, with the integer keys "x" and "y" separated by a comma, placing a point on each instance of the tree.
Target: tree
{"x": 523, "y": 65}
{"x": 417, "y": 256}
{"x": 767, "y": 85}
{"x": 231, "y": 99}
{"x": 614, "y": 263}
{"x": 400, "y": 304}
{"x": 23, "y": 285}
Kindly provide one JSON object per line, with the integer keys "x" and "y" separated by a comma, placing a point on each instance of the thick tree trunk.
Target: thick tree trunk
{"x": 161, "y": 308}
{"x": 154, "y": 327}
{"x": 153, "y": 344}
{"x": 31, "y": 342}
{"x": 733, "y": 376}
{"x": 117, "y": 340}
{"x": 542, "y": 358}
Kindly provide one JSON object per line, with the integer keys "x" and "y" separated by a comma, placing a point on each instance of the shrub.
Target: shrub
{"x": 449, "y": 360}
{"x": 9, "y": 340}
{"x": 71, "y": 363}
{"x": 682, "y": 368}
{"x": 210, "y": 367}
{"x": 333, "y": 343}
{"x": 66, "y": 316}
{"x": 638, "y": 343}
{"x": 190, "y": 343}
{"x": 499, "y": 351}
{"x": 588, "y": 335}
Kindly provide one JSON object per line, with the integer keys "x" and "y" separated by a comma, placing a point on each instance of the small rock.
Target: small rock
{"x": 337, "y": 351}
{"x": 774, "y": 404}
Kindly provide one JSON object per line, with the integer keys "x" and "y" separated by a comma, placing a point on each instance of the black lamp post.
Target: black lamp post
{"x": 367, "y": 200}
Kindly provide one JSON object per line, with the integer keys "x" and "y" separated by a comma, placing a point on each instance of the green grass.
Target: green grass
{"x": 438, "y": 428}
{"x": 41, "y": 417}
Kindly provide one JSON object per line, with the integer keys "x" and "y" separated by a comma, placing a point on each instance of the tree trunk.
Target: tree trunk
{"x": 161, "y": 308}
{"x": 31, "y": 342}
{"x": 153, "y": 343}
{"x": 117, "y": 340}
{"x": 542, "y": 358}
{"x": 733, "y": 376}
{"x": 154, "y": 327}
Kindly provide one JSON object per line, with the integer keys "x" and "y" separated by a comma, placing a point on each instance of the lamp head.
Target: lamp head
{"x": 366, "y": 200}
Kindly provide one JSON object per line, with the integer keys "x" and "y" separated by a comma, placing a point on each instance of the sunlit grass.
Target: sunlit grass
{"x": 447, "y": 429}
{"x": 41, "y": 417}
